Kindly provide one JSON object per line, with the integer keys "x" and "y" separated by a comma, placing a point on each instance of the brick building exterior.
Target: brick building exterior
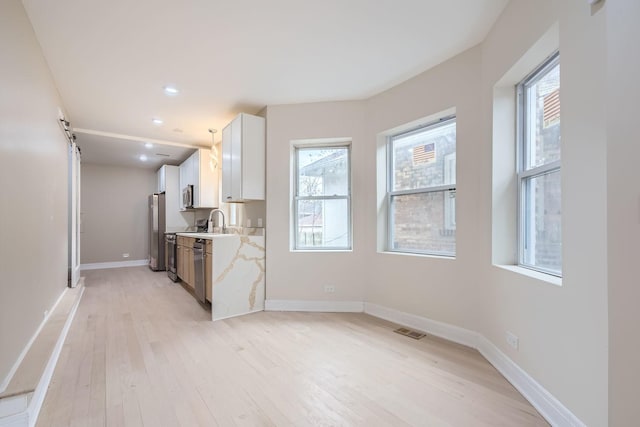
{"x": 424, "y": 222}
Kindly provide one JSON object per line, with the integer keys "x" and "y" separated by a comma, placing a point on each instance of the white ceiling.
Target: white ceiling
{"x": 125, "y": 151}
{"x": 111, "y": 59}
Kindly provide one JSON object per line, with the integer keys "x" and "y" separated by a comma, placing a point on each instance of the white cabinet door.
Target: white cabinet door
{"x": 197, "y": 172}
{"x": 236, "y": 158}
{"x": 253, "y": 158}
{"x": 173, "y": 198}
{"x": 185, "y": 177}
{"x": 161, "y": 174}
{"x": 226, "y": 164}
{"x": 194, "y": 176}
{"x": 243, "y": 159}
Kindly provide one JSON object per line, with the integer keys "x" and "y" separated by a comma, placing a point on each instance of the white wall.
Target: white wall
{"x": 115, "y": 213}
{"x": 438, "y": 288}
{"x": 623, "y": 185}
{"x": 33, "y": 175}
{"x": 303, "y": 275}
{"x": 562, "y": 329}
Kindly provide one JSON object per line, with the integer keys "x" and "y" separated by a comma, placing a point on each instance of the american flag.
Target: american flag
{"x": 551, "y": 109}
{"x": 424, "y": 154}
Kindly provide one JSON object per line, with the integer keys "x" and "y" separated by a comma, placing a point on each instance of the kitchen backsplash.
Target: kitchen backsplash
{"x": 249, "y": 214}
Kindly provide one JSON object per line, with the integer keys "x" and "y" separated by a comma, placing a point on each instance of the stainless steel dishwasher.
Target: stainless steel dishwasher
{"x": 170, "y": 256}
{"x": 199, "y": 270}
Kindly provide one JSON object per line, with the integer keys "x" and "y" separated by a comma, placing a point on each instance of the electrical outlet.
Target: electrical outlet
{"x": 512, "y": 339}
{"x": 329, "y": 289}
{"x": 125, "y": 255}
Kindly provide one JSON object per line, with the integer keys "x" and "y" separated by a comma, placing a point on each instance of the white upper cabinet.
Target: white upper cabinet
{"x": 226, "y": 164}
{"x": 162, "y": 180}
{"x": 169, "y": 183}
{"x": 243, "y": 159}
{"x": 185, "y": 178}
{"x": 197, "y": 171}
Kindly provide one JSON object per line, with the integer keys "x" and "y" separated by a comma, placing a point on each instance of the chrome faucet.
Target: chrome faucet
{"x": 210, "y": 226}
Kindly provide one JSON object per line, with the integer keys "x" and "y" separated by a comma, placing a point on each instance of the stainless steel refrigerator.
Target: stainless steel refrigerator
{"x": 156, "y": 231}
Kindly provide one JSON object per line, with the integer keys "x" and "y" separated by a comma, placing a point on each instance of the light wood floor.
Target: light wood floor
{"x": 141, "y": 351}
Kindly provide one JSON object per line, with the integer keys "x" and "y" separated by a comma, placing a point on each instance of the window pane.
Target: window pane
{"x": 323, "y": 223}
{"x": 420, "y": 158}
{"x": 543, "y": 124}
{"x": 323, "y": 171}
{"x": 543, "y": 222}
{"x": 424, "y": 222}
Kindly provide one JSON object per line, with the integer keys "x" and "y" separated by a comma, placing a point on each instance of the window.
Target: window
{"x": 539, "y": 218}
{"x": 421, "y": 193}
{"x": 322, "y": 198}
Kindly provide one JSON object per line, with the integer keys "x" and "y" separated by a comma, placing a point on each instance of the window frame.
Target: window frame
{"x": 524, "y": 173}
{"x": 442, "y": 121}
{"x": 296, "y": 196}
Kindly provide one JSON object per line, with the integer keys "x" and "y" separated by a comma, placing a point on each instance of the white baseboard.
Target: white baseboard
{"x": 114, "y": 264}
{"x": 439, "y": 329}
{"x": 544, "y": 402}
{"x": 25, "y": 350}
{"x": 316, "y": 306}
{"x": 28, "y": 417}
{"x": 551, "y": 408}
{"x": 17, "y": 420}
{"x": 10, "y": 406}
{"x": 43, "y": 385}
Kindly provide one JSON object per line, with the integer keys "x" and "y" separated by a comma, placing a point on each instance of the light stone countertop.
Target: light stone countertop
{"x": 208, "y": 236}
{"x": 231, "y": 231}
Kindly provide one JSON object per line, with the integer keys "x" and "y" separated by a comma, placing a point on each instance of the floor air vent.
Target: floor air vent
{"x": 410, "y": 333}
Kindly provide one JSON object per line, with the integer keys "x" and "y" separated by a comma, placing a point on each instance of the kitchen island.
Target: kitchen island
{"x": 237, "y": 273}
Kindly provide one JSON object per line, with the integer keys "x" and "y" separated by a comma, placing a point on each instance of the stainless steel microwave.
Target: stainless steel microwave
{"x": 187, "y": 197}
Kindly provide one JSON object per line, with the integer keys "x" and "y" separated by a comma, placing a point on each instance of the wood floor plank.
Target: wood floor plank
{"x": 143, "y": 352}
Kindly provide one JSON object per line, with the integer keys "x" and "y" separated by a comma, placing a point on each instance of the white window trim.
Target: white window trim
{"x": 534, "y": 274}
{"x": 450, "y": 222}
{"x": 525, "y": 174}
{"x": 318, "y": 144}
{"x": 433, "y": 189}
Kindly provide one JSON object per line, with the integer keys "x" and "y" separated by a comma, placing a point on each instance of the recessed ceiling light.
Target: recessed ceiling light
{"x": 157, "y": 121}
{"x": 148, "y": 145}
{"x": 143, "y": 158}
{"x": 170, "y": 90}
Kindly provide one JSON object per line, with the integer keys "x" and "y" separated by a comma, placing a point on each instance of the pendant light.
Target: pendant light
{"x": 213, "y": 155}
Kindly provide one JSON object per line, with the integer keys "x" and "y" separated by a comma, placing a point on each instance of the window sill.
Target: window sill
{"x": 409, "y": 254}
{"x": 320, "y": 251}
{"x": 544, "y": 277}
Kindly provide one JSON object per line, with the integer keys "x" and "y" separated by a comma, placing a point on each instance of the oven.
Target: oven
{"x": 170, "y": 255}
